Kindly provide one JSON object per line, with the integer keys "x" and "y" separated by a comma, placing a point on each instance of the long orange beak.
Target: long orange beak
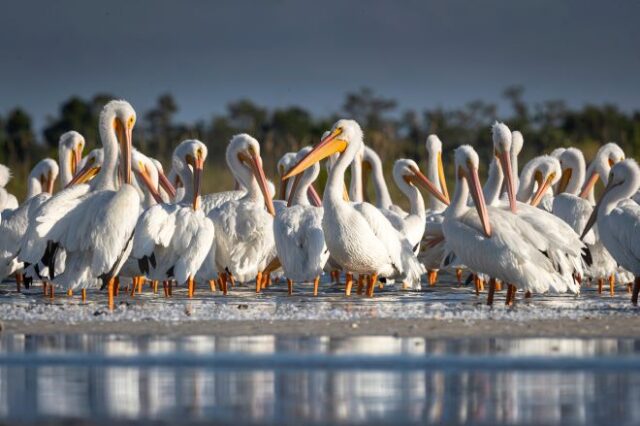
{"x": 505, "y": 161}
{"x": 255, "y": 162}
{"x": 282, "y": 191}
{"x": 316, "y": 201}
{"x": 542, "y": 189}
{"x": 84, "y": 175}
{"x": 197, "y": 178}
{"x": 166, "y": 185}
{"x": 123, "y": 134}
{"x": 594, "y": 214}
{"x": 146, "y": 179}
{"x": 442, "y": 178}
{"x": 478, "y": 200}
{"x": 588, "y": 185}
{"x": 49, "y": 184}
{"x": 564, "y": 180}
{"x": 294, "y": 189}
{"x": 421, "y": 180}
{"x": 327, "y": 146}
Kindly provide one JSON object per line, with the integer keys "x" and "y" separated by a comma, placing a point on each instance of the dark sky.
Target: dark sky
{"x": 310, "y": 52}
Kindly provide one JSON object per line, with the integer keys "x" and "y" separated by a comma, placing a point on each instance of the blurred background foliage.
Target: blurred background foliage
{"x": 390, "y": 130}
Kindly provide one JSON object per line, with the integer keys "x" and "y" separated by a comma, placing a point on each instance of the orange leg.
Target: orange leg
{"x": 83, "y": 292}
{"x": 316, "y": 283}
{"x": 498, "y": 285}
{"x": 52, "y": 291}
{"x": 361, "y": 279}
{"x": 629, "y": 287}
{"x": 140, "y": 284}
{"x": 212, "y": 286}
{"x": 45, "y": 290}
{"x": 433, "y": 277}
{"x": 154, "y": 284}
{"x": 170, "y": 288}
{"x": 190, "y": 285}
{"x": 492, "y": 290}
{"x": 110, "y": 285}
{"x": 289, "y": 287}
{"x": 459, "y": 275}
{"x": 511, "y": 294}
{"x": 476, "y": 282}
{"x": 69, "y": 293}
{"x": 612, "y": 284}
{"x": 600, "y": 285}
{"x": 19, "y": 281}
{"x": 349, "y": 283}
{"x": 372, "y": 282}
{"x": 116, "y": 286}
{"x": 165, "y": 287}
{"x": 258, "y": 282}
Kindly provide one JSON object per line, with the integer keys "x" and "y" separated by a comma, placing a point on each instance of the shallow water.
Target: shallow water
{"x": 312, "y": 380}
{"x": 447, "y": 300}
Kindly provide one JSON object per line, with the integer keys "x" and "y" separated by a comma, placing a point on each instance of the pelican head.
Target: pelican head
{"x": 283, "y": 166}
{"x": 434, "y": 151}
{"x": 146, "y": 173}
{"x": 467, "y": 161}
{"x": 89, "y": 166}
{"x": 623, "y": 182}
{"x": 308, "y": 177}
{"x": 189, "y": 158}
{"x": 608, "y": 155}
{"x": 117, "y": 119}
{"x": 5, "y": 175}
{"x": 517, "y": 142}
{"x": 243, "y": 158}
{"x": 345, "y": 137}
{"x": 573, "y": 165}
{"x": 502, "y": 148}
{"x": 70, "y": 147}
{"x": 544, "y": 171}
{"x": 407, "y": 171}
{"x": 45, "y": 172}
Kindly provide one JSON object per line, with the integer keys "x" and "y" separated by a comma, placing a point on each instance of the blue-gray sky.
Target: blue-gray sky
{"x": 310, "y": 53}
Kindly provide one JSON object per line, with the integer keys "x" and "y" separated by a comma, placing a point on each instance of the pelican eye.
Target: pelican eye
{"x": 130, "y": 122}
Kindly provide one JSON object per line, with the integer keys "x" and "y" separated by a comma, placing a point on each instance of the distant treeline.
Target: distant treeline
{"x": 391, "y": 131}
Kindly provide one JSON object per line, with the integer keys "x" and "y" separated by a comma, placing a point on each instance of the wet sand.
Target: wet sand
{"x": 587, "y": 328}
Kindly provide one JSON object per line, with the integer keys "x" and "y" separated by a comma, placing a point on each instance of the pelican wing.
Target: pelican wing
{"x": 620, "y": 234}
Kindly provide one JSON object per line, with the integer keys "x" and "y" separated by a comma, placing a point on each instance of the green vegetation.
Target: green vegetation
{"x": 391, "y": 131}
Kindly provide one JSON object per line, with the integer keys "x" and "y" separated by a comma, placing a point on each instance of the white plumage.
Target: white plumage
{"x": 172, "y": 240}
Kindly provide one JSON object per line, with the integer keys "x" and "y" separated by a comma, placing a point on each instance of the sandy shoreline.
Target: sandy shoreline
{"x": 586, "y": 328}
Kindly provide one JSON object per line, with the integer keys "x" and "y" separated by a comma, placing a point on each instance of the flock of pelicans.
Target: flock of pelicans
{"x": 120, "y": 220}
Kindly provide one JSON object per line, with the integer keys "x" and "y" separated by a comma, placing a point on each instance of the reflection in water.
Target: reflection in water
{"x": 97, "y": 391}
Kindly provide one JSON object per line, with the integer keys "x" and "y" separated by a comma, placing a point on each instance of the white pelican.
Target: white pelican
{"x": 14, "y": 222}
{"x": 93, "y": 223}
{"x": 619, "y": 222}
{"x": 7, "y": 200}
{"x": 284, "y": 164}
{"x": 575, "y": 211}
{"x": 359, "y": 236}
{"x": 172, "y": 240}
{"x": 298, "y": 232}
{"x": 608, "y": 155}
{"x": 243, "y": 228}
{"x": 565, "y": 247}
{"x": 492, "y": 240}
{"x": 432, "y": 251}
{"x": 536, "y": 181}
{"x": 70, "y": 149}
